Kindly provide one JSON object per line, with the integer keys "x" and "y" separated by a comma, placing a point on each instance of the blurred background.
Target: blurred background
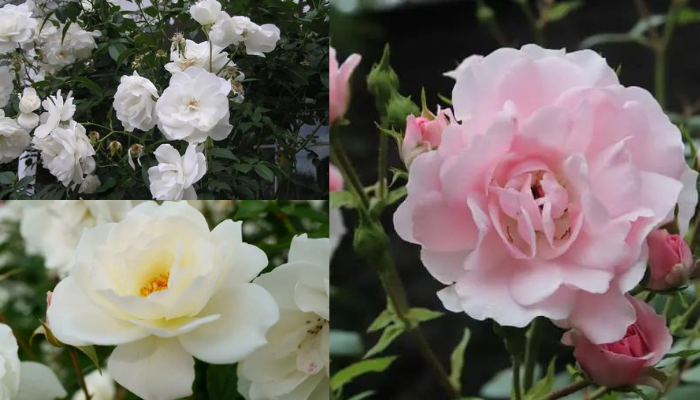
{"x": 428, "y": 38}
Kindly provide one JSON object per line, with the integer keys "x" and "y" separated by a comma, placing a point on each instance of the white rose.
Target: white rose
{"x": 6, "y": 86}
{"x": 100, "y": 387}
{"x": 80, "y": 42}
{"x": 173, "y": 177}
{"x": 16, "y": 26}
{"x": 258, "y": 39}
{"x": 51, "y": 229}
{"x": 195, "y": 54}
{"x": 135, "y": 103}
{"x": 13, "y": 140}
{"x": 29, "y": 101}
{"x": 205, "y": 11}
{"x": 194, "y": 107}
{"x": 67, "y": 153}
{"x": 25, "y": 380}
{"x": 57, "y": 111}
{"x": 28, "y": 121}
{"x": 294, "y": 365}
{"x": 163, "y": 288}
{"x": 90, "y": 184}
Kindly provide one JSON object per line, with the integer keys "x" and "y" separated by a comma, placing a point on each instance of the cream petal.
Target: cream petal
{"x": 76, "y": 320}
{"x": 247, "y": 313}
{"x": 153, "y": 368}
{"x": 242, "y": 262}
{"x": 38, "y": 382}
{"x": 175, "y": 327}
{"x": 315, "y": 251}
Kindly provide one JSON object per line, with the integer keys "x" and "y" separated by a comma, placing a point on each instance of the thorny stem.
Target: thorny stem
{"x": 79, "y": 371}
{"x": 341, "y": 159}
{"x": 660, "y": 46}
{"x": 382, "y": 164}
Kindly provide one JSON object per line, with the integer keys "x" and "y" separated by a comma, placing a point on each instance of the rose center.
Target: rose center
{"x": 158, "y": 283}
{"x": 193, "y": 104}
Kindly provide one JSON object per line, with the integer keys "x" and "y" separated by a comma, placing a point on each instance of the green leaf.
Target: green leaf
{"x": 264, "y": 172}
{"x": 92, "y": 86}
{"x": 342, "y": 199}
{"x": 687, "y": 16}
{"x": 220, "y": 185}
{"x": 348, "y": 374}
{"x": 396, "y": 195}
{"x": 7, "y": 178}
{"x": 222, "y": 382}
{"x": 363, "y": 395}
{"x": 382, "y": 321}
{"x": 220, "y": 152}
{"x": 389, "y": 335}
{"x": 248, "y": 209}
{"x": 244, "y": 168}
{"x": 604, "y": 38}
{"x": 115, "y": 49}
{"x": 561, "y": 9}
{"x": 542, "y": 388}
{"x": 457, "y": 361}
{"x": 92, "y": 355}
{"x": 682, "y": 354}
{"x": 423, "y": 314}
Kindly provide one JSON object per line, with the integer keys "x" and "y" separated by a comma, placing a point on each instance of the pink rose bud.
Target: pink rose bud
{"x": 338, "y": 92}
{"x": 670, "y": 260}
{"x": 423, "y": 134}
{"x": 49, "y": 294}
{"x": 628, "y": 361}
{"x": 335, "y": 179}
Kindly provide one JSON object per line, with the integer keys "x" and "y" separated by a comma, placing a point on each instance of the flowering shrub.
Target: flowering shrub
{"x": 545, "y": 196}
{"x": 212, "y": 299}
{"x": 91, "y": 91}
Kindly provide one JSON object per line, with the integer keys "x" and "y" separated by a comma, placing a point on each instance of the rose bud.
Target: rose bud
{"x": 423, "y": 134}
{"x": 339, "y": 93}
{"x": 670, "y": 260}
{"x": 630, "y": 360}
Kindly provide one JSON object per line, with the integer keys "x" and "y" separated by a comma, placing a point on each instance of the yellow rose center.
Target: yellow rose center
{"x": 158, "y": 283}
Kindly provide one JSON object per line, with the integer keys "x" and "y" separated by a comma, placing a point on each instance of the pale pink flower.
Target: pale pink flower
{"x": 339, "y": 77}
{"x": 423, "y": 134}
{"x": 670, "y": 260}
{"x": 539, "y": 202}
{"x": 335, "y": 179}
{"x": 625, "y": 362}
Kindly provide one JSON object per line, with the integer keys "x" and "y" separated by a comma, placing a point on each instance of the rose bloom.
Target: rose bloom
{"x": 13, "y": 139}
{"x": 99, "y": 385}
{"x": 67, "y": 153}
{"x": 337, "y": 230}
{"x": 195, "y": 54}
{"x": 164, "y": 288}
{"x": 24, "y": 380}
{"x": 52, "y": 229}
{"x": 173, "y": 177}
{"x": 295, "y": 365}
{"x": 6, "y": 86}
{"x": 194, "y": 107}
{"x": 538, "y": 203}
{"x": 338, "y": 90}
{"x": 206, "y": 11}
{"x": 16, "y": 26}
{"x": 135, "y": 103}
{"x": 423, "y": 134}
{"x": 258, "y": 39}
{"x": 670, "y": 260}
{"x": 624, "y": 362}
{"x": 28, "y": 103}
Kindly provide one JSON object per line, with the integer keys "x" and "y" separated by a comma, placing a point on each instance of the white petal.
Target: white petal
{"x": 315, "y": 251}
{"x": 78, "y": 321}
{"x": 247, "y": 313}
{"x": 153, "y": 368}
{"x": 242, "y": 262}
{"x": 282, "y": 281}
{"x": 38, "y": 382}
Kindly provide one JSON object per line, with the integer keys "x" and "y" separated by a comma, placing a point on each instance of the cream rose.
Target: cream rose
{"x": 164, "y": 288}
{"x": 295, "y": 364}
{"x": 135, "y": 103}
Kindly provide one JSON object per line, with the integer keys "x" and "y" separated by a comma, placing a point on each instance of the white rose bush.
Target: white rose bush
{"x": 87, "y": 81}
{"x": 165, "y": 300}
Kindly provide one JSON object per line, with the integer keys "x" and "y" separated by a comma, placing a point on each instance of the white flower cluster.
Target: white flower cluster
{"x": 60, "y": 51}
{"x": 65, "y": 148}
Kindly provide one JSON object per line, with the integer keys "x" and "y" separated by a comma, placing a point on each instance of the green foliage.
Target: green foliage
{"x": 347, "y": 375}
{"x": 457, "y": 361}
{"x": 544, "y": 386}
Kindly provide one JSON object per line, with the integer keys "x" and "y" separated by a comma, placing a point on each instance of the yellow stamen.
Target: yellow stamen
{"x": 157, "y": 284}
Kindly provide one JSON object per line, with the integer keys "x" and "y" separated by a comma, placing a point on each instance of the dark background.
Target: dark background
{"x": 427, "y": 40}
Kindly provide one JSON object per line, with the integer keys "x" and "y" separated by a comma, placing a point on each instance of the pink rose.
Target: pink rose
{"x": 670, "y": 260}
{"x": 423, "y": 134}
{"x": 539, "y": 201}
{"x": 338, "y": 84}
{"x": 335, "y": 183}
{"x": 624, "y": 362}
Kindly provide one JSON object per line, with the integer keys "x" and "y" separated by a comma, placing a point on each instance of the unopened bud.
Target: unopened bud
{"x": 398, "y": 109}
{"x": 114, "y": 147}
{"x": 94, "y": 136}
{"x": 382, "y": 81}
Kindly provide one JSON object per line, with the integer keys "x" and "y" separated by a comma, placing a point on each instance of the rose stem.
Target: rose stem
{"x": 79, "y": 371}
